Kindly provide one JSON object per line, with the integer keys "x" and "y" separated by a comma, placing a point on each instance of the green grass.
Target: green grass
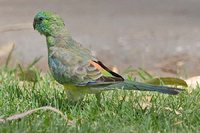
{"x": 120, "y": 111}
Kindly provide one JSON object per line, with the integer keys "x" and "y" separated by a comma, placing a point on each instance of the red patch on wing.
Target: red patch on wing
{"x": 101, "y": 67}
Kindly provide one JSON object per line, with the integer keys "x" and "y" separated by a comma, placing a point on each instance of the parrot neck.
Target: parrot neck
{"x": 60, "y": 39}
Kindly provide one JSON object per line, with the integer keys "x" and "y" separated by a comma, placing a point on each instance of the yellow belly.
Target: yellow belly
{"x": 75, "y": 93}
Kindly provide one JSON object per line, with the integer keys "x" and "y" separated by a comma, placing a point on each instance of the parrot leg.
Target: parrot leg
{"x": 74, "y": 95}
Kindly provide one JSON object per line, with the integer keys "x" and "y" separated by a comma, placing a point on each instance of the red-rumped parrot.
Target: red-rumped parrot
{"x": 76, "y": 68}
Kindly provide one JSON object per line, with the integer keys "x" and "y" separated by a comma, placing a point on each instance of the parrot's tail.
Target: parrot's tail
{"x": 132, "y": 85}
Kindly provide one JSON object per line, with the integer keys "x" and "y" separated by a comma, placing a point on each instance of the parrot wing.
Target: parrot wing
{"x": 99, "y": 74}
{"x": 79, "y": 67}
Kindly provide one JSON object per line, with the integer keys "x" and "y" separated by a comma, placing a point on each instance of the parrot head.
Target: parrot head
{"x": 48, "y": 23}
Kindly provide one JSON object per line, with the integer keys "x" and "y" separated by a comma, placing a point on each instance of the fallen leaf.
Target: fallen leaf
{"x": 177, "y": 112}
{"x": 193, "y": 81}
{"x": 145, "y": 102}
{"x": 178, "y": 122}
{"x": 168, "y": 108}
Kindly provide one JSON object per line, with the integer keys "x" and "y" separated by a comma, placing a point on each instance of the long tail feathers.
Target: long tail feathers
{"x": 132, "y": 85}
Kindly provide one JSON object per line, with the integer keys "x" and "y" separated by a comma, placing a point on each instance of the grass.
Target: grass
{"x": 120, "y": 111}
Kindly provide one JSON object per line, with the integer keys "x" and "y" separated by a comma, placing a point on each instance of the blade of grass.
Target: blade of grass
{"x": 144, "y": 74}
{"x": 10, "y": 55}
{"x": 34, "y": 62}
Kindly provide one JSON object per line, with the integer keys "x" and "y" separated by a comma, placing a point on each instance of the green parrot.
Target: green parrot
{"x": 76, "y": 68}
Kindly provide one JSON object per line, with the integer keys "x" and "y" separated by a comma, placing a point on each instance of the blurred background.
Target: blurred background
{"x": 162, "y": 37}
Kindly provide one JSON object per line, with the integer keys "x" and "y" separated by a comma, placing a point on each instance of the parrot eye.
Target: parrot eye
{"x": 41, "y": 19}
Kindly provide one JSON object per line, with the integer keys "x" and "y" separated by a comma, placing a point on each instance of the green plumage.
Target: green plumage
{"x": 76, "y": 68}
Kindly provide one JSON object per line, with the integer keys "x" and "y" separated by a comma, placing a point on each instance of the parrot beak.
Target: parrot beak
{"x": 34, "y": 24}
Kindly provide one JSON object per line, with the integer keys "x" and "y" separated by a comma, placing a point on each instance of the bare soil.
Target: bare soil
{"x": 162, "y": 37}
